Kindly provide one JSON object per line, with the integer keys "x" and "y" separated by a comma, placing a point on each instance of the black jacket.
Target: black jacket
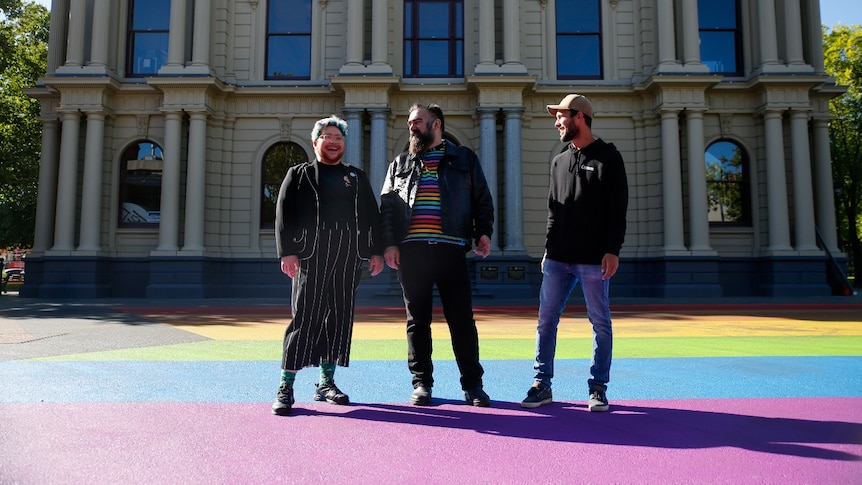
{"x": 465, "y": 200}
{"x": 297, "y": 216}
{"x": 587, "y": 204}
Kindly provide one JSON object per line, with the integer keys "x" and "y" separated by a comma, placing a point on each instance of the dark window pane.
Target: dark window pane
{"x": 140, "y": 185}
{"x": 435, "y": 57}
{"x": 289, "y": 17}
{"x": 437, "y": 24}
{"x": 150, "y": 52}
{"x": 577, "y": 16}
{"x": 151, "y": 15}
{"x": 718, "y": 51}
{"x": 289, "y": 57}
{"x": 716, "y": 14}
{"x": 578, "y": 56}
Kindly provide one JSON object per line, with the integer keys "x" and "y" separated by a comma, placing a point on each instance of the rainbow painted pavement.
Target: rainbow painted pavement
{"x": 746, "y": 393}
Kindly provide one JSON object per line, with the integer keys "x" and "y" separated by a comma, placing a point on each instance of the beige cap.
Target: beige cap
{"x": 577, "y": 102}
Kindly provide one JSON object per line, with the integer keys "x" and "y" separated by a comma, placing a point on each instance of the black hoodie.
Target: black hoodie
{"x": 587, "y": 204}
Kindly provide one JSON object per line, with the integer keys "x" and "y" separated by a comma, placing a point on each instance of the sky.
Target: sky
{"x": 847, "y": 12}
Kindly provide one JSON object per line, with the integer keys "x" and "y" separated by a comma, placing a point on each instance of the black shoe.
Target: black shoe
{"x": 477, "y": 397}
{"x": 598, "y": 401}
{"x": 330, "y": 393}
{"x": 283, "y": 404}
{"x": 421, "y": 396}
{"x": 538, "y": 395}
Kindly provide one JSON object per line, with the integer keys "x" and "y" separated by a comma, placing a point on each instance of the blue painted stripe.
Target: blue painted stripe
{"x": 389, "y": 381}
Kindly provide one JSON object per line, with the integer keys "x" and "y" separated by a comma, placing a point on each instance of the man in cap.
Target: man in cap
{"x": 587, "y": 205}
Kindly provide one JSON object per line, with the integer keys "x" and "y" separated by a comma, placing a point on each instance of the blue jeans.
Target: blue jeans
{"x": 558, "y": 281}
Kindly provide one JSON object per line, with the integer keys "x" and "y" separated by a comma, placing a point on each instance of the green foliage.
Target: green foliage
{"x": 842, "y": 52}
{"x": 23, "y": 59}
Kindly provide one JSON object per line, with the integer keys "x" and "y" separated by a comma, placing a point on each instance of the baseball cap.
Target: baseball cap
{"x": 577, "y": 102}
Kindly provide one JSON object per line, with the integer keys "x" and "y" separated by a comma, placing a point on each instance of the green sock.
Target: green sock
{"x": 287, "y": 378}
{"x": 327, "y": 371}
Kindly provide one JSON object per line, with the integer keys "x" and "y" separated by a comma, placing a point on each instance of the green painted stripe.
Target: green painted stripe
{"x": 499, "y": 349}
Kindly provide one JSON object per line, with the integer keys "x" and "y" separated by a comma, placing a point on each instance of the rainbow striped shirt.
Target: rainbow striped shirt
{"x": 426, "y": 223}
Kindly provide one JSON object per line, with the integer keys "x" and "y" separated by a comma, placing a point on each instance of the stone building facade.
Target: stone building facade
{"x": 167, "y": 125}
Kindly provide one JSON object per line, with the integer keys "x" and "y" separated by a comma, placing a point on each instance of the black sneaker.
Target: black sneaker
{"x": 283, "y": 404}
{"x": 477, "y": 397}
{"x": 538, "y": 395}
{"x": 421, "y": 396}
{"x": 330, "y": 393}
{"x": 598, "y": 401}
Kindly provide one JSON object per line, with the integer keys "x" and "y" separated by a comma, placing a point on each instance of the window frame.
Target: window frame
{"x": 595, "y": 35}
{"x": 124, "y": 185}
{"x": 132, "y": 35}
{"x": 269, "y": 180}
{"x": 288, "y": 34}
{"x": 413, "y": 40}
{"x": 736, "y": 32}
{"x": 742, "y": 185}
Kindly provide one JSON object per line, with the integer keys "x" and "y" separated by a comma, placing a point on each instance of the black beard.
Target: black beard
{"x": 420, "y": 142}
{"x": 570, "y": 135}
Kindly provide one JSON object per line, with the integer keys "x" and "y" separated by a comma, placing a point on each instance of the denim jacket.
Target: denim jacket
{"x": 465, "y": 201}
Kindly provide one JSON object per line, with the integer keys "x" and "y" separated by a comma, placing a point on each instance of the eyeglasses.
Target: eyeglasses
{"x": 332, "y": 138}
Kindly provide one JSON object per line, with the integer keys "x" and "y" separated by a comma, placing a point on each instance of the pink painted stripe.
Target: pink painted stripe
{"x": 786, "y": 441}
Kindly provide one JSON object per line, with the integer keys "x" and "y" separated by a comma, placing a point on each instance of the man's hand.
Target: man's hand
{"x": 375, "y": 266}
{"x": 610, "y": 265}
{"x": 392, "y": 255}
{"x": 483, "y": 247}
{"x": 290, "y": 265}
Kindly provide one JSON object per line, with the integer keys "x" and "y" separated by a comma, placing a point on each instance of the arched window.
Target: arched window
{"x": 140, "y": 185}
{"x": 728, "y": 184}
{"x": 276, "y": 161}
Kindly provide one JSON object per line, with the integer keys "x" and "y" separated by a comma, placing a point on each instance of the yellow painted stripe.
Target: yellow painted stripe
{"x": 508, "y": 325}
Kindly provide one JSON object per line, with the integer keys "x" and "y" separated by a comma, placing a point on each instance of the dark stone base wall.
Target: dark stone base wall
{"x": 497, "y": 279}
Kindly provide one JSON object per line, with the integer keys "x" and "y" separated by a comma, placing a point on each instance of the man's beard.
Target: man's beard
{"x": 420, "y": 142}
{"x": 570, "y": 134}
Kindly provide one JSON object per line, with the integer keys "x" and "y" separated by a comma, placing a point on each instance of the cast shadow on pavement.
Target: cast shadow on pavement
{"x": 627, "y": 425}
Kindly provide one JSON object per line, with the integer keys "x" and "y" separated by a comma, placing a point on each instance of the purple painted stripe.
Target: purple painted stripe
{"x": 807, "y": 440}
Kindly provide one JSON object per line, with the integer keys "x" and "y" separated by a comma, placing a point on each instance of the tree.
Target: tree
{"x": 23, "y": 60}
{"x": 842, "y": 52}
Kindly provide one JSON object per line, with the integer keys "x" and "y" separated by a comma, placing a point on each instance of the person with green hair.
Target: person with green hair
{"x": 327, "y": 222}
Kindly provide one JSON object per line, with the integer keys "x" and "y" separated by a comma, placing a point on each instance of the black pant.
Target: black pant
{"x": 424, "y": 265}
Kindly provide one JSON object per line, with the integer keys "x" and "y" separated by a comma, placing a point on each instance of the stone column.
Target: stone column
{"x": 486, "y": 36}
{"x": 353, "y": 142}
{"x": 671, "y": 177}
{"x": 512, "y": 38}
{"x": 101, "y": 34}
{"x": 776, "y": 183}
{"x": 803, "y": 196}
{"x": 77, "y": 25}
{"x": 177, "y": 35}
{"x": 355, "y": 28}
{"x": 793, "y": 33}
{"x": 488, "y": 158}
{"x": 46, "y": 203}
{"x": 380, "y": 35}
{"x": 767, "y": 36}
{"x": 169, "y": 205}
{"x": 825, "y": 197}
{"x": 67, "y": 188}
{"x": 691, "y": 37}
{"x": 514, "y": 183}
{"x": 91, "y": 188}
{"x": 201, "y": 41}
{"x": 196, "y": 182}
{"x": 665, "y": 33}
{"x": 57, "y": 35}
{"x": 698, "y": 209}
{"x": 379, "y": 158}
